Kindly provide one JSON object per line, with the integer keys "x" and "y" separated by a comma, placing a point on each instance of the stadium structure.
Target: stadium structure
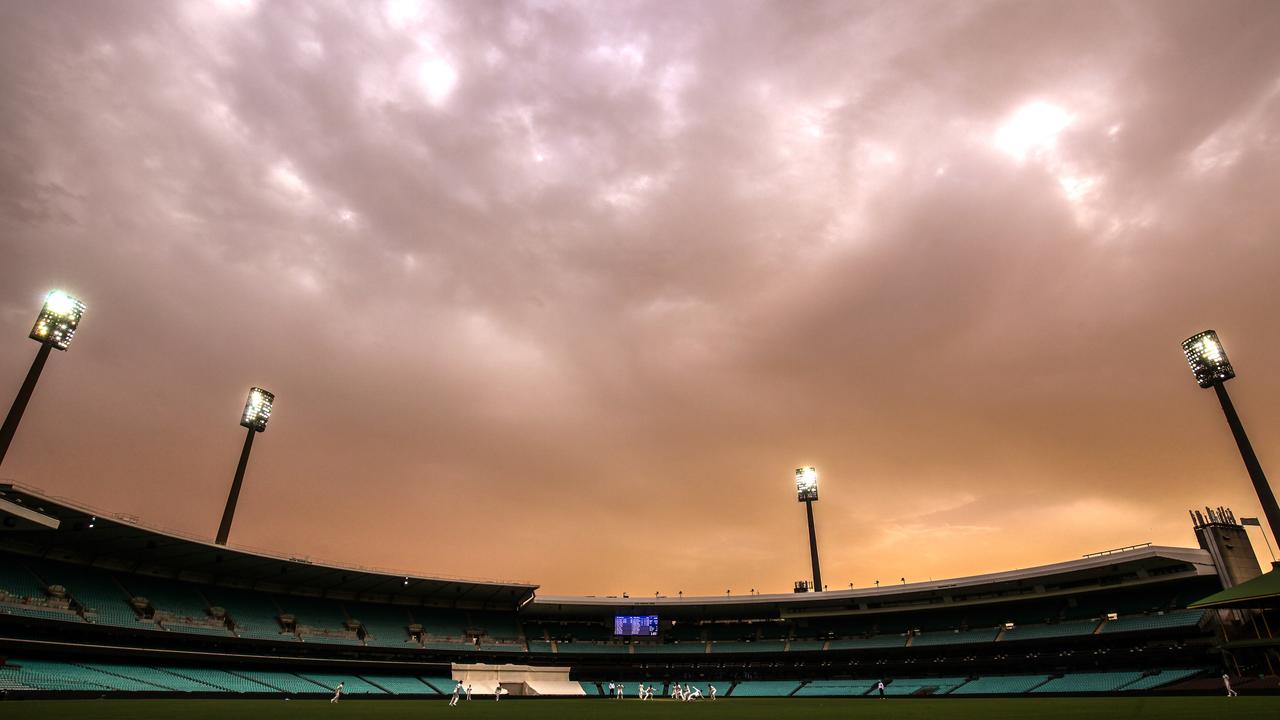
{"x": 97, "y": 605}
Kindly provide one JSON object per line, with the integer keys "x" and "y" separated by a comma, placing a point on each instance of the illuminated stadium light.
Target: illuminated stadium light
{"x": 257, "y": 409}
{"x": 806, "y": 484}
{"x": 58, "y": 319}
{"x": 807, "y": 493}
{"x": 1207, "y": 359}
{"x": 1212, "y": 369}
{"x": 55, "y": 326}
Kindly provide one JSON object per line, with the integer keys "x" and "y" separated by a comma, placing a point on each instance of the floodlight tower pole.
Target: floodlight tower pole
{"x": 55, "y": 326}
{"x": 1260, "y": 485}
{"x": 257, "y": 411}
{"x": 813, "y": 548}
{"x": 19, "y": 406}
{"x": 229, "y": 512}
{"x": 807, "y": 493}
{"x": 1211, "y": 368}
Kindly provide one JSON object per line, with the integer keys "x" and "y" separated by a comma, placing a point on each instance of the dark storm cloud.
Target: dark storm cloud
{"x": 561, "y": 292}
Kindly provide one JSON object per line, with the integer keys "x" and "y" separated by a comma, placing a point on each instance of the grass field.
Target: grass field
{"x": 1156, "y": 708}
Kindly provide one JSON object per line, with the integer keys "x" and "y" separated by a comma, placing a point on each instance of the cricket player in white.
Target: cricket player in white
{"x": 337, "y": 693}
{"x": 712, "y": 689}
{"x": 694, "y": 693}
{"x": 456, "y": 690}
{"x": 1226, "y": 681}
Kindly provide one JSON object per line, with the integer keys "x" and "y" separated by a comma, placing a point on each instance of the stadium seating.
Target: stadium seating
{"x": 221, "y": 680}
{"x": 43, "y": 675}
{"x": 830, "y": 688}
{"x": 317, "y": 613}
{"x": 1163, "y": 621}
{"x": 443, "y": 685}
{"x": 765, "y": 688}
{"x": 877, "y": 641}
{"x": 284, "y": 682}
{"x": 255, "y": 615}
{"x": 40, "y": 611}
{"x": 441, "y": 624}
{"x": 593, "y": 648}
{"x": 953, "y": 637}
{"x": 104, "y": 600}
{"x": 22, "y": 593}
{"x": 110, "y": 676}
{"x": 729, "y": 631}
{"x": 180, "y": 600}
{"x": 806, "y": 645}
{"x": 401, "y": 684}
{"x": 1042, "y": 631}
{"x": 1088, "y": 682}
{"x": 495, "y": 626}
{"x": 684, "y": 632}
{"x": 460, "y": 645}
{"x": 704, "y": 687}
{"x": 922, "y": 686}
{"x": 151, "y": 676}
{"x": 384, "y": 625}
{"x": 680, "y": 648}
{"x": 1000, "y": 685}
{"x": 1161, "y": 678}
{"x": 196, "y": 629}
{"x": 568, "y": 631}
{"x": 351, "y": 684}
{"x": 742, "y": 647}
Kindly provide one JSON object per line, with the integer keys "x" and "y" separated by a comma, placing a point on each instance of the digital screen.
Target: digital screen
{"x": 635, "y": 625}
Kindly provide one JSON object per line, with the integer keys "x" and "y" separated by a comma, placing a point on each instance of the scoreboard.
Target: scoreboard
{"x": 635, "y": 625}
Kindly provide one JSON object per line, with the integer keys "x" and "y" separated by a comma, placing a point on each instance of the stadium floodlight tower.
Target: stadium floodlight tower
{"x": 807, "y": 493}
{"x": 54, "y": 328}
{"x": 257, "y": 411}
{"x": 1211, "y": 368}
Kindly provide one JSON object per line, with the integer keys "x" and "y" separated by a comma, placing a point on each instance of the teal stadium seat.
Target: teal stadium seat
{"x": 401, "y": 684}
{"x": 352, "y": 684}
{"x": 952, "y": 637}
{"x": 806, "y": 645}
{"x": 874, "y": 642}
{"x": 922, "y": 686}
{"x": 385, "y": 626}
{"x": 1052, "y": 630}
{"x": 759, "y": 646}
{"x": 285, "y": 682}
{"x": 1088, "y": 682}
{"x": 443, "y": 685}
{"x": 1000, "y": 685}
{"x": 45, "y": 675}
{"x": 254, "y": 614}
{"x": 221, "y": 680}
{"x": 1162, "y": 678}
{"x": 106, "y": 602}
{"x": 1164, "y": 621}
{"x": 834, "y": 688}
{"x": 765, "y": 688}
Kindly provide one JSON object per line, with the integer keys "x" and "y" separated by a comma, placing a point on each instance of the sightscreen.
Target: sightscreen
{"x": 635, "y": 625}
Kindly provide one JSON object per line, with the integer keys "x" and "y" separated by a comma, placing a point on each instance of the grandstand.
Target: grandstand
{"x": 122, "y": 609}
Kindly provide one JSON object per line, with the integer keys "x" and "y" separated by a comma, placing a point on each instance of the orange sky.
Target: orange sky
{"x": 563, "y": 294}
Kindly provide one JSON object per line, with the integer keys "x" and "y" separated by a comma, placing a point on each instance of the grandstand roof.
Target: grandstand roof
{"x": 1260, "y": 592}
{"x": 59, "y": 529}
{"x": 1133, "y": 567}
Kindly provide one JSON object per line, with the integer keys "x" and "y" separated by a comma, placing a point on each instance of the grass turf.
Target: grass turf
{"x": 1123, "y": 708}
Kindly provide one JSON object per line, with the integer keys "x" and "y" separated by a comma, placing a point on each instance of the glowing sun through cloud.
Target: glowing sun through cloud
{"x": 1032, "y": 129}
